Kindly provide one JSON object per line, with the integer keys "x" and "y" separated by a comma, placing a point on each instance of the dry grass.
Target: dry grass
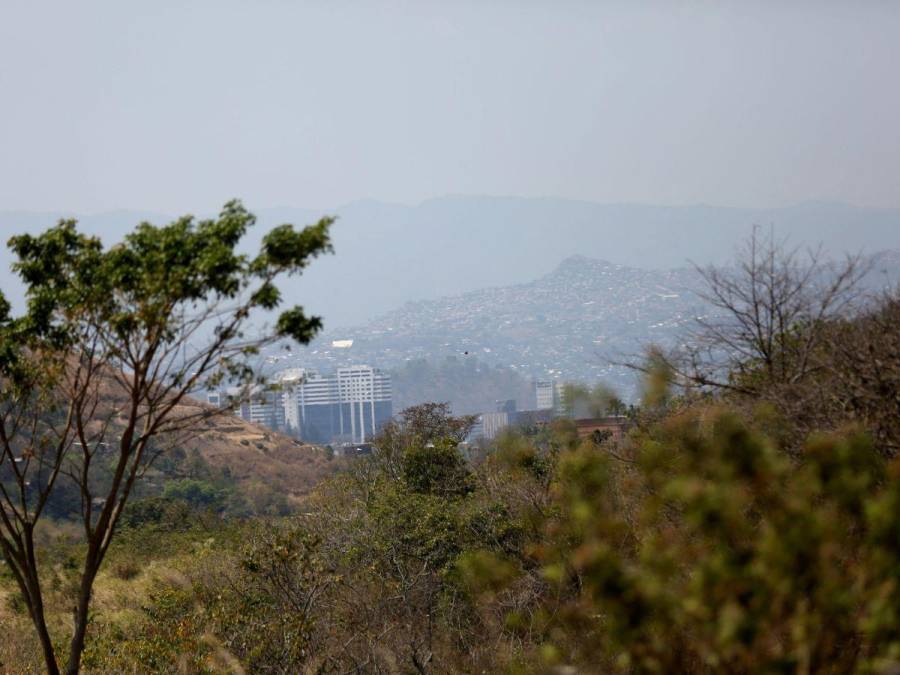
{"x": 280, "y": 462}
{"x": 117, "y": 605}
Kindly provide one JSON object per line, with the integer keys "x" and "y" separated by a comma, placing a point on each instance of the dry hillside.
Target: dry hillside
{"x": 254, "y": 454}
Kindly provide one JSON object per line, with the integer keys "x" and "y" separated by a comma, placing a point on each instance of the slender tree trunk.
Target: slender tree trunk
{"x": 30, "y": 579}
{"x": 40, "y": 625}
{"x": 76, "y": 646}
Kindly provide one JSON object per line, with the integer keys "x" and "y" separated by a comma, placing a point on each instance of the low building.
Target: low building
{"x": 529, "y": 419}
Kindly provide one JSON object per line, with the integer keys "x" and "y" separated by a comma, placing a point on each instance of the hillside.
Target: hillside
{"x": 254, "y": 468}
{"x": 572, "y": 324}
{"x": 254, "y": 455}
{"x": 470, "y": 385}
{"x": 568, "y": 324}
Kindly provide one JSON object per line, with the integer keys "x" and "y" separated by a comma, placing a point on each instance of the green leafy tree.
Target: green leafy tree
{"x": 438, "y": 468}
{"x": 111, "y": 342}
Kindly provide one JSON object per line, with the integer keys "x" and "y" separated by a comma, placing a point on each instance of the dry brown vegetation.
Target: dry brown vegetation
{"x": 280, "y": 462}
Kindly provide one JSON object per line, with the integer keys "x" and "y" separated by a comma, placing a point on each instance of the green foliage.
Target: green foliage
{"x": 265, "y": 614}
{"x": 140, "y": 287}
{"x": 196, "y": 493}
{"x": 581, "y": 401}
{"x": 429, "y": 423}
{"x": 699, "y": 546}
{"x": 438, "y": 468}
{"x": 411, "y": 528}
{"x": 97, "y": 369}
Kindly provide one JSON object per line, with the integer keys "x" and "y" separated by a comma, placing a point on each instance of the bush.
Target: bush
{"x": 126, "y": 570}
{"x": 714, "y": 551}
{"x": 196, "y": 493}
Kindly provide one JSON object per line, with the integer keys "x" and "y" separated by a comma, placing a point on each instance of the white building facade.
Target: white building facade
{"x": 349, "y": 406}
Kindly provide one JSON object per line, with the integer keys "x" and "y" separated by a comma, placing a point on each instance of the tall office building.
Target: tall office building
{"x": 266, "y": 408}
{"x": 367, "y": 394}
{"x": 508, "y": 406}
{"x": 493, "y": 423}
{"x": 549, "y": 395}
{"x": 289, "y": 381}
{"x": 349, "y": 406}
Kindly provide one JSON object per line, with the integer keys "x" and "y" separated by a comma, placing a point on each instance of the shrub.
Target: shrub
{"x": 737, "y": 560}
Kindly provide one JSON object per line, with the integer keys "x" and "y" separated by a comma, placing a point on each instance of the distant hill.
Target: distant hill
{"x": 470, "y": 385}
{"x": 570, "y": 324}
{"x": 388, "y": 254}
{"x": 567, "y": 324}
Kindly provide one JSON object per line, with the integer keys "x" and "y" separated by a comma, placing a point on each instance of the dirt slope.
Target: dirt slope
{"x": 255, "y": 454}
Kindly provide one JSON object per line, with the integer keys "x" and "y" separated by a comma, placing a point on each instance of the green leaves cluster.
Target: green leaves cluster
{"x": 150, "y": 283}
{"x": 697, "y": 545}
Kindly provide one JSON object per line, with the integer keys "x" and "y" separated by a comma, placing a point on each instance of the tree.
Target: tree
{"x": 767, "y": 336}
{"x": 767, "y": 318}
{"x": 111, "y": 343}
{"x": 415, "y": 429}
{"x": 431, "y": 422}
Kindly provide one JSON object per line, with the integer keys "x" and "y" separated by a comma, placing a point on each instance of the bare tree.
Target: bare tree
{"x": 767, "y": 317}
{"x": 112, "y": 343}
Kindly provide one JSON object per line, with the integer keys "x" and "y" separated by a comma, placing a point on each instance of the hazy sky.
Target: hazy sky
{"x": 177, "y": 106}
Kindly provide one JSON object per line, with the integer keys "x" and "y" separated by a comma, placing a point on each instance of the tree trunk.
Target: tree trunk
{"x": 76, "y": 646}
{"x": 36, "y": 607}
{"x": 35, "y": 600}
{"x": 40, "y": 625}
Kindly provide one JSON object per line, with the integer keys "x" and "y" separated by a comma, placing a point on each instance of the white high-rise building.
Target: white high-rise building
{"x": 362, "y": 388}
{"x": 262, "y": 405}
{"x": 549, "y": 395}
{"x": 493, "y": 423}
{"x": 351, "y": 405}
{"x": 289, "y": 381}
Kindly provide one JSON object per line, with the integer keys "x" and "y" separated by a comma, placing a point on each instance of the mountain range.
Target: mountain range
{"x": 388, "y": 254}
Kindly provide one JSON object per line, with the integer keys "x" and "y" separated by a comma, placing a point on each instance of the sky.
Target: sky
{"x": 178, "y": 106}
